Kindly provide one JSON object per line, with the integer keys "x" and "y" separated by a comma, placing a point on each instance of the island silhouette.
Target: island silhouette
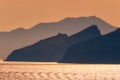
{"x": 21, "y": 37}
{"x": 71, "y": 40}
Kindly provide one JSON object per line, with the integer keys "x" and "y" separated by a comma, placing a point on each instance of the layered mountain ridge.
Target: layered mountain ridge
{"x": 53, "y": 49}
{"x": 19, "y": 38}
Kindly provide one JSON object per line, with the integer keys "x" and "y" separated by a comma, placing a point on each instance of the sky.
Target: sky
{"x": 27, "y": 13}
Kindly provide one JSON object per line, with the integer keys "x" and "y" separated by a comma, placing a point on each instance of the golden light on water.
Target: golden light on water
{"x": 58, "y": 71}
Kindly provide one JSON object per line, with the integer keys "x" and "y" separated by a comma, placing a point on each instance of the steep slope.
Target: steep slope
{"x": 40, "y": 51}
{"x": 54, "y": 48}
{"x": 21, "y": 37}
{"x": 104, "y": 49}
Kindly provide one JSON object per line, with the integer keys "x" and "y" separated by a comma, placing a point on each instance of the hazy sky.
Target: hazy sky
{"x": 26, "y": 13}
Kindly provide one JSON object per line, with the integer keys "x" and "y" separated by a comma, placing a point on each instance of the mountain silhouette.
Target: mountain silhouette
{"x": 53, "y": 49}
{"x": 19, "y": 38}
{"x": 104, "y": 49}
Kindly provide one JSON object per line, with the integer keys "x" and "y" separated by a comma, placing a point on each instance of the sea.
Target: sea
{"x": 58, "y": 71}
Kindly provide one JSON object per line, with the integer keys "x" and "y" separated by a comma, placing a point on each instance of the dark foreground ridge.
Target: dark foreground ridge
{"x": 101, "y": 50}
{"x": 54, "y": 48}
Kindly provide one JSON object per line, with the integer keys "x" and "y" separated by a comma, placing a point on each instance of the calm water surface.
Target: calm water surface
{"x": 55, "y": 71}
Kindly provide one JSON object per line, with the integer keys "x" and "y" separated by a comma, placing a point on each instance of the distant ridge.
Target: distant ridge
{"x": 76, "y": 25}
{"x": 53, "y": 49}
{"x": 21, "y": 37}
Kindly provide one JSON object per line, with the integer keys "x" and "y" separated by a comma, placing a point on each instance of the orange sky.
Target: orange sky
{"x": 26, "y": 13}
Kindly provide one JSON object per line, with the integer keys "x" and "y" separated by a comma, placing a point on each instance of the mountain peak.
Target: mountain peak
{"x": 91, "y": 31}
{"x": 93, "y": 27}
{"x": 18, "y": 30}
{"x": 118, "y": 29}
{"x": 61, "y": 34}
{"x": 70, "y": 18}
{"x": 56, "y": 37}
{"x": 88, "y": 17}
{"x": 93, "y": 16}
{"x": 67, "y": 19}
